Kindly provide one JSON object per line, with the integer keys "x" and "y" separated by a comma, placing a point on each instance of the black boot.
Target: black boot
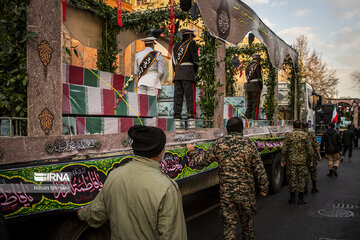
{"x": 306, "y": 189}
{"x": 292, "y": 198}
{"x": 301, "y": 199}
{"x": 334, "y": 171}
{"x": 314, "y": 188}
{"x": 330, "y": 173}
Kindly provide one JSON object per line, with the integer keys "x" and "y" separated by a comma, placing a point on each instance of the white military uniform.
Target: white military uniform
{"x": 149, "y": 83}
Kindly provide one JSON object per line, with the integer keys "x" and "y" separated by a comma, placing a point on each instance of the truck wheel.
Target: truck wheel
{"x": 74, "y": 229}
{"x": 275, "y": 174}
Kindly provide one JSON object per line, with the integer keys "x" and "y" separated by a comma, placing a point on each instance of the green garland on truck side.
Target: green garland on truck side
{"x": 208, "y": 89}
{"x": 13, "y": 68}
{"x": 294, "y": 72}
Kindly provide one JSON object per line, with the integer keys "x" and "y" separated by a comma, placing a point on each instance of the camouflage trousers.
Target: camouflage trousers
{"x": 297, "y": 176}
{"x": 313, "y": 171}
{"x": 231, "y": 211}
{"x": 333, "y": 160}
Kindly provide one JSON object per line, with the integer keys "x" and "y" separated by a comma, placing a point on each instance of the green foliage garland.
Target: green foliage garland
{"x": 108, "y": 48}
{"x": 268, "y": 71}
{"x": 138, "y": 22}
{"x": 294, "y": 72}
{"x": 231, "y": 52}
{"x": 13, "y": 68}
{"x": 208, "y": 100}
{"x": 270, "y": 83}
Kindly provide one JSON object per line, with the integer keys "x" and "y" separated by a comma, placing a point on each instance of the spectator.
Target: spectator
{"x": 347, "y": 142}
{"x": 331, "y": 141}
{"x": 139, "y": 200}
{"x": 356, "y": 138}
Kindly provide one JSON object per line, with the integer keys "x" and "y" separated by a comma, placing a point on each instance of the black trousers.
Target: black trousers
{"x": 253, "y": 102}
{"x": 345, "y": 149}
{"x": 187, "y": 89}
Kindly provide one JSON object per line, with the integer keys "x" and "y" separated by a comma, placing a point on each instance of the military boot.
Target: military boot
{"x": 314, "y": 188}
{"x": 330, "y": 173}
{"x": 334, "y": 171}
{"x": 292, "y": 198}
{"x": 306, "y": 189}
{"x": 301, "y": 199}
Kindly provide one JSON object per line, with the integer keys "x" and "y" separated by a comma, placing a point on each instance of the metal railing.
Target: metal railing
{"x": 201, "y": 123}
{"x": 13, "y": 126}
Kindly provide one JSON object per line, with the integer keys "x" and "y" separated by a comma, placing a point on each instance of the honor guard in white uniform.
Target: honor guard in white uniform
{"x": 149, "y": 67}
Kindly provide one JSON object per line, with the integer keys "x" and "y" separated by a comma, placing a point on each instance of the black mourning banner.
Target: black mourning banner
{"x": 146, "y": 63}
{"x": 231, "y": 20}
{"x": 180, "y": 53}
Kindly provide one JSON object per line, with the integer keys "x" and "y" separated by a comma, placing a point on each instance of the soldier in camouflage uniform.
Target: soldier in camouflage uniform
{"x": 315, "y": 155}
{"x": 295, "y": 154}
{"x": 240, "y": 168}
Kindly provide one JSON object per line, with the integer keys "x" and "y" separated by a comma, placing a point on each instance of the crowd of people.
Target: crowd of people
{"x": 149, "y": 206}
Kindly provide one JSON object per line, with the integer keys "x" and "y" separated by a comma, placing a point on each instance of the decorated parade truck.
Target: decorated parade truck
{"x": 78, "y": 120}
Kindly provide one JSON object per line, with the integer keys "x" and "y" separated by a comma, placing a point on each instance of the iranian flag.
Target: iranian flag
{"x": 334, "y": 117}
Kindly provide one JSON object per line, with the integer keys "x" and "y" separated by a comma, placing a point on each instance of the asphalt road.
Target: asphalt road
{"x": 333, "y": 213}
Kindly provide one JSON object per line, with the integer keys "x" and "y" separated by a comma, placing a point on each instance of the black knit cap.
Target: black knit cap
{"x": 147, "y": 141}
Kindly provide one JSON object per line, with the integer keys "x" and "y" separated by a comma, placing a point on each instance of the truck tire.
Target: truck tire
{"x": 275, "y": 174}
{"x": 74, "y": 229}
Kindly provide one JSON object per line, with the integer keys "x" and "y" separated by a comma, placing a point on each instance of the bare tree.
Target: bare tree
{"x": 355, "y": 76}
{"x": 315, "y": 71}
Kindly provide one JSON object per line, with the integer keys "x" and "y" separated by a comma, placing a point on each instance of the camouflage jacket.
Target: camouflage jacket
{"x": 314, "y": 143}
{"x": 297, "y": 148}
{"x": 315, "y": 146}
{"x": 240, "y": 166}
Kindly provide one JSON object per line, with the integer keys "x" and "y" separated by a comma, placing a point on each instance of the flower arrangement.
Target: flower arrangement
{"x": 124, "y": 91}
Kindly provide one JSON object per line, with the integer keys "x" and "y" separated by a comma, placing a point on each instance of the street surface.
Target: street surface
{"x": 333, "y": 213}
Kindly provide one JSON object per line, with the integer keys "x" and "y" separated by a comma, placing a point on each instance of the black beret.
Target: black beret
{"x": 147, "y": 141}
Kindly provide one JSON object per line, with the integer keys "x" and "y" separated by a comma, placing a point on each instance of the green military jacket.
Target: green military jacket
{"x": 240, "y": 167}
{"x": 140, "y": 201}
{"x": 297, "y": 148}
{"x": 315, "y": 145}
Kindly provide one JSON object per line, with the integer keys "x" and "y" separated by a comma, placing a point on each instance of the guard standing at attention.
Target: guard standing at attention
{"x": 254, "y": 87}
{"x": 296, "y": 155}
{"x": 240, "y": 169}
{"x": 149, "y": 67}
{"x": 315, "y": 154}
{"x": 185, "y": 63}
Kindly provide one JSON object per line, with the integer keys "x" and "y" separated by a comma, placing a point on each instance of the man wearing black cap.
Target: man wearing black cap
{"x": 253, "y": 88}
{"x": 185, "y": 58}
{"x": 240, "y": 170}
{"x": 139, "y": 200}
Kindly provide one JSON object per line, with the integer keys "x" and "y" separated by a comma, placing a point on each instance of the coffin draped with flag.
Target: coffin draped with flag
{"x": 90, "y": 105}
